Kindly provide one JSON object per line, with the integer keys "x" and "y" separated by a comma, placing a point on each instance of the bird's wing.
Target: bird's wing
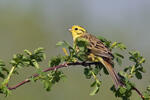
{"x": 96, "y": 47}
{"x": 104, "y": 55}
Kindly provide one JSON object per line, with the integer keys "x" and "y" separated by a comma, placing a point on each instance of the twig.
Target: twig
{"x": 9, "y": 75}
{"x": 139, "y": 93}
{"x": 84, "y": 64}
{"x": 49, "y": 69}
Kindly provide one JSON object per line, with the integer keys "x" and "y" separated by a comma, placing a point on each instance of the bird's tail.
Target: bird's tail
{"x": 113, "y": 74}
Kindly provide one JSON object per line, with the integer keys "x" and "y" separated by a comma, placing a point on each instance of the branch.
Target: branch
{"x": 50, "y": 69}
{"x": 84, "y": 64}
{"x": 139, "y": 93}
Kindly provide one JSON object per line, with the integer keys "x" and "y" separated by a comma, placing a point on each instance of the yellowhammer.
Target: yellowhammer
{"x": 97, "y": 51}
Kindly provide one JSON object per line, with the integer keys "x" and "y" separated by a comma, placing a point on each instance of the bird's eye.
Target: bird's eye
{"x": 76, "y": 28}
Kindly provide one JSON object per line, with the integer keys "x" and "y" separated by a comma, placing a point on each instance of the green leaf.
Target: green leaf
{"x": 96, "y": 89}
{"x": 93, "y": 84}
{"x": 127, "y": 68}
{"x": 118, "y": 45}
{"x": 128, "y": 86}
{"x": 82, "y": 44}
{"x": 122, "y": 90}
{"x": 113, "y": 89}
{"x": 105, "y": 71}
{"x": 138, "y": 75}
{"x": 5, "y": 90}
{"x": 47, "y": 85}
{"x": 38, "y": 55}
{"x": 2, "y": 64}
{"x": 57, "y": 75}
{"x": 27, "y": 52}
{"x": 40, "y": 72}
{"x": 39, "y": 50}
{"x": 81, "y": 55}
{"x": 106, "y": 42}
{"x": 113, "y": 45}
{"x": 32, "y": 79}
{"x": 63, "y": 44}
{"x": 3, "y": 69}
{"x": 119, "y": 61}
{"x": 101, "y": 38}
{"x": 55, "y": 61}
{"x": 121, "y": 46}
{"x": 119, "y": 55}
{"x": 142, "y": 61}
{"x": 60, "y": 43}
{"x": 35, "y": 63}
{"x": 18, "y": 60}
{"x": 87, "y": 73}
{"x": 146, "y": 96}
{"x": 148, "y": 88}
{"x": 96, "y": 70}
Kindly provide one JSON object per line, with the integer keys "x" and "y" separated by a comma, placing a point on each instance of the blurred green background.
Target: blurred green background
{"x": 29, "y": 24}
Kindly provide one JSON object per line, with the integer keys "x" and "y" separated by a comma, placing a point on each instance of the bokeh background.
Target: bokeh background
{"x": 29, "y": 24}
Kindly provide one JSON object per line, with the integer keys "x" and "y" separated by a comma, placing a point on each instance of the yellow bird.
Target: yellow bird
{"x": 97, "y": 51}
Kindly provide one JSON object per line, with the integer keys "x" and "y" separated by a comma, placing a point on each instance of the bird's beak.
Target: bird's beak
{"x": 70, "y": 29}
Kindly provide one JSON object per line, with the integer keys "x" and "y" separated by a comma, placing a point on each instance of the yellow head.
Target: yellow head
{"x": 77, "y": 31}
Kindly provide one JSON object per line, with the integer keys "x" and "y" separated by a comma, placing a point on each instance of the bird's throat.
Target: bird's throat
{"x": 74, "y": 36}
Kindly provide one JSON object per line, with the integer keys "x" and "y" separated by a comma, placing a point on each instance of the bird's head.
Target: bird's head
{"x": 77, "y": 31}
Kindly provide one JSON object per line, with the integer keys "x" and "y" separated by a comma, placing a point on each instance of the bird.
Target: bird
{"x": 97, "y": 51}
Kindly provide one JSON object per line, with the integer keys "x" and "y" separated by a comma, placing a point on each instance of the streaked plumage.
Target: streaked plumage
{"x": 98, "y": 49}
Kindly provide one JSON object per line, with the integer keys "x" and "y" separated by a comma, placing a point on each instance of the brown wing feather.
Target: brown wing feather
{"x": 97, "y": 47}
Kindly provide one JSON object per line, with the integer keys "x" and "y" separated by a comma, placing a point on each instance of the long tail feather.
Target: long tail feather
{"x": 113, "y": 74}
